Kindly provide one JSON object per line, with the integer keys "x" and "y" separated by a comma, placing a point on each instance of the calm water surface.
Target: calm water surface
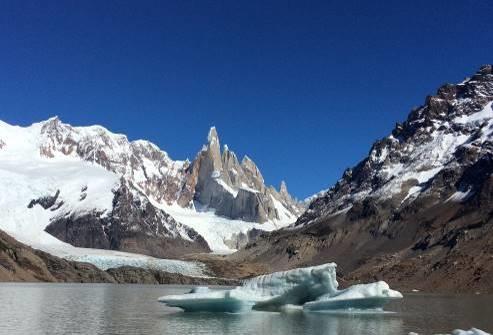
{"x": 133, "y": 309}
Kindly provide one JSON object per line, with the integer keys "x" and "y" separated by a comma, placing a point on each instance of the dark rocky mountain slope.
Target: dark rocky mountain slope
{"x": 133, "y": 225}
{"x": 417, "y": 211}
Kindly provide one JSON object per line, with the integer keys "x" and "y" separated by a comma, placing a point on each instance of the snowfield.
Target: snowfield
{"x": 83, "y": 186}
{"x": 20, "y": 183}
{"x": 217, "y": 230}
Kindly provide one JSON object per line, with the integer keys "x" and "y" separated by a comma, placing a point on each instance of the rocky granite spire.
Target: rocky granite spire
{"x": 284, "y": 194}
{"x": 283, "y": 189}
{"x": 252, "y": 171}
{"x": 217, "y": 180}
{"x": 214, "y": 149}
{"x": 210, "y": 166}
{"x": 231, "y": 166}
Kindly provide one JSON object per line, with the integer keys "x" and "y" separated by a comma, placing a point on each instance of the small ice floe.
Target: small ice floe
{"x": 310, "y": 289}
{"x": 472, "y": 331}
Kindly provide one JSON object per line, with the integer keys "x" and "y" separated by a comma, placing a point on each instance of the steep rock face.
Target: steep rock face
{"x": 416, "y": 210}
{"x": 133, "y": 225}
{"x": 235, "y": 190}
{"x": 450, "y": 132}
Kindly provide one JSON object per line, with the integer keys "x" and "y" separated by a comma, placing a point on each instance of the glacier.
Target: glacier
{"x": 315, "y": 288}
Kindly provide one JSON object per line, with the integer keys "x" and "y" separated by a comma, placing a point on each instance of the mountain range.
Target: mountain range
{"x": 417, "y": 211}
{"x": 91, "y": 188}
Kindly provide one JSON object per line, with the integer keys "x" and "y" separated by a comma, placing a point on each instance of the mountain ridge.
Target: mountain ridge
{"x": 93, "y": 188}
{"x": 416, "y": 210}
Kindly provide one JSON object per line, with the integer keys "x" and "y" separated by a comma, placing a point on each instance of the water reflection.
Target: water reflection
{"x": 281, "y": 323}
{"x": 133, "y": 309}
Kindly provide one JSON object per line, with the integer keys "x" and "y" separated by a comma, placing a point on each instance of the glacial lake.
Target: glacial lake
{"x": 133, "y": 309}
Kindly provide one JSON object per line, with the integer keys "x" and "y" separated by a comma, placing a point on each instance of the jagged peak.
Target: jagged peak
{"x": 438, "y": 107}
{"x": 247, "y": 160}
{"x": 283, "y": 188}
{"x": 249, "y": 164}
{"x": 485, "y": 69}
{"x": 55, "y": 118}
{"x": 227, "y": 153}
{"x": 427, "y": 142}
{"x": 55, "y": 121}
{"x": 53, "y": 124}
{"x": 212, "y": 136}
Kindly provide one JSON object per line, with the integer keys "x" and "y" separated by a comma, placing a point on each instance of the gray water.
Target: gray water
{"x": 133, "y": 309}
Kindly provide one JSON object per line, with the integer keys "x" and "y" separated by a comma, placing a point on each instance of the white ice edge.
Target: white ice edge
{"x": 314, "y": 288}
{"x": 472, "y": 331}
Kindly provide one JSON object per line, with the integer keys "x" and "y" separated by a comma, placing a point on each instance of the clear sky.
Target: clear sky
{"x": 302, "y": 87}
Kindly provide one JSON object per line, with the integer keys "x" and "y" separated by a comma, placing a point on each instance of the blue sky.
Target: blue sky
{"x": 302, "y": 87}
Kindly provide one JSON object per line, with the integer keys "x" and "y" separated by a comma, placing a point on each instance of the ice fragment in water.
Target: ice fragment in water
{"x": 314, "y": 288}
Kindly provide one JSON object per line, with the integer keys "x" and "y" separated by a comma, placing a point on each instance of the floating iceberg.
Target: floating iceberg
{"x": 203, "y": 300}
{"x": 314, "y": 288}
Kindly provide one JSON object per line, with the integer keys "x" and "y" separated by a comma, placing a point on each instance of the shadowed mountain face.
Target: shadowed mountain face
{"x": 417, "y": 210}
{"x": 133, "y": 225}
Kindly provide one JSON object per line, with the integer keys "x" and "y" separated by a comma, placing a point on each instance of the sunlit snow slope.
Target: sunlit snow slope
{"x": 82, "y": 186}
{"x": 51, "y": 171}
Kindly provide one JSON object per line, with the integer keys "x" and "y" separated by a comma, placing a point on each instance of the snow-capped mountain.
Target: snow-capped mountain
{"x": 454, "y": 129}
{"x": 89, "y": 187}
{"x": 416, "y": 209}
